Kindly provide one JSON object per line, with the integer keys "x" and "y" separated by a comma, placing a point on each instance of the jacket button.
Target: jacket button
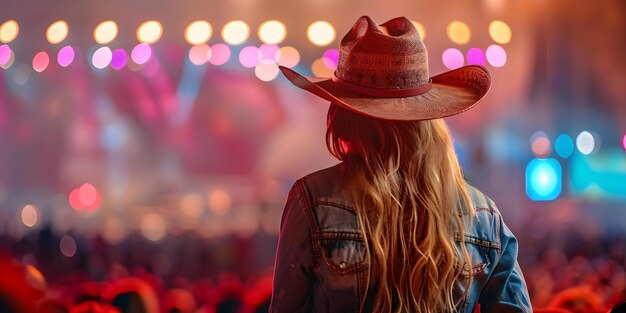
{"x": 342, "y": 265}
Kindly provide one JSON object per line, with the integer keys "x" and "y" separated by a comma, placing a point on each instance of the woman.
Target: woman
{"x": 394, "y": 227}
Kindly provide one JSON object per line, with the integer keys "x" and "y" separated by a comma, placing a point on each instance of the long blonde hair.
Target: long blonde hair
{"x": 406, "y": 182}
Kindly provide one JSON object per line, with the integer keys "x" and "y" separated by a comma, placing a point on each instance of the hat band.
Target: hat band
{"x": 383, "y": 93}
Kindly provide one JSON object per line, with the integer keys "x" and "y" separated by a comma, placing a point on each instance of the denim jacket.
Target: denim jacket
{"x": 321, "y": 263}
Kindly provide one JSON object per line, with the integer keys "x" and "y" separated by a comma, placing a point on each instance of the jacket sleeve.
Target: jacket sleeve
{"x": 294, "y": 258}
{"x": 506, "y": 290}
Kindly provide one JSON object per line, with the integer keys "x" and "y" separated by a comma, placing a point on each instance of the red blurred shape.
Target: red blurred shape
{"x": 87, "y": 194}
{"x": 74, "y": 200}
{"x": 95, "y": 205}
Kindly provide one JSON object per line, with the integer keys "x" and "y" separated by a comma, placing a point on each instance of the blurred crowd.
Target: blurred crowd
{"x": 187, "y": 273}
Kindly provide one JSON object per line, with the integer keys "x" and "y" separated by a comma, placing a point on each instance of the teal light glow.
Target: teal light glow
{"x": 599, "y": 176}
{"x": 564, "y": 146}
{"x": 543, "y": 179}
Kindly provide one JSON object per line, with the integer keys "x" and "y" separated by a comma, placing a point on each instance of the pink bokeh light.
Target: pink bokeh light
{"x": 267, "y": 53}
{"x": 119, "y": 59}
{"x": 452, "y": 58}
{"x": 5, "y": 54}
{"x": 141, "y": 53}
{"x": 65, "y": 57}
{"x": 41, "y": 61}
{"x": 331, "y": 58}
{"x": 249, "y": 56}
{"x": 220, "y": 53}
{"x": 476, "y": 56}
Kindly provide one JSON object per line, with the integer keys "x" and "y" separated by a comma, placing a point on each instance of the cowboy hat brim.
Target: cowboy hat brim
{"x": 452, "y": 92}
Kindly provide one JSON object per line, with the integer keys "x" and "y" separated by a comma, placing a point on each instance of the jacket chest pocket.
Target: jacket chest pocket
{"x": 343, "y": 252}
{"x": 479, "y": 256}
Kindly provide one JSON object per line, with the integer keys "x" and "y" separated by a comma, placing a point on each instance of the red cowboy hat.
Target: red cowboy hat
{"x": 383, "y": 73}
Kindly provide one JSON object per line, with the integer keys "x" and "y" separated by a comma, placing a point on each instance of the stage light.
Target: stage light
{"x": 141, "y": 53}
{"x": 476, "y": 56}
{"x": 320, "y": 69}
{"x": 624, "y": 141}
{"x": 267, "y": 53}
{"x": 219, "y": 201}
{"x": 500, "y": 32}
{"x": 496, "y": 56}
{"x": 65, "y": 57}
{"x": 149, "y": 32}
{"x": 249, "y": 56}
{"x": 288, "y": 56}
{"x": 420, "y": 29}
{"x": 220, "y": 53}
{"x": 41, "y": 61}
{"x": 585, "y": 143}
{"x": 272, "y": 32}
{"x": 30, "y": 215}
{"x": 540, "y": 144}
{"x": 266, "y": 71}
{"x": 9, "y": 31}
{"x": 459, "y": 32}
{"x": 192, "y": 205}
{"x": 57, "y": 32}
{"x": 543, "y": 179}
{"x": 67, "y": 245}
{"x": 564, "y": 146}
{"x": 452, "y": 58}
{"x": 153, "y": 227}
{"x": 102, "y": 57}
{"x": 331, "y": 58}
{"x": 8, "y": 62}
{"x": 74, "y": 200}
{"x": 87, "y": 194}
{"x": 235, "y": 32}
{"x": 119, "y": 59}
{"x": 198, "y": 32}
{"x": 199, "y": 54}
{"x": 105, "y": 32}
{"x": 5, "y": 54}
{"x": 321, "y": 33}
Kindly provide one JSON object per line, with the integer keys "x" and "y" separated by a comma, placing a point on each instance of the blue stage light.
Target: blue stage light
{"x": 564, "y": 146}
{"x": 543, "y": 179}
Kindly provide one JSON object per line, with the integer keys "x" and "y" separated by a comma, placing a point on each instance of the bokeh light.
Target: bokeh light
{"x": 102, "y": 57}
{"x": 5, "y": 54}
{"x": 41, "y": 61}
{"x": 119, "y": 59}
{"x": 235, "y": 32}
{"x": 30, "y": 215}
{"x": 113, "y": 230}
{"x": 452, "y": 58}
{"x": 9, "y": 31}
{"x": 266, "y": 71}
{"x": 9, "y": 62}
{"x": 141, "y": 53}
{"x": 67, "y": 245}
{"x": 87, "y": 194}
{"x": 198, "y": 32}
{"x": 153, "y": 227}
{"x": 540, "y": 144}
{"x": 320, "y": 69}
{"x": 585, "y": 143}
{"x": 249, "y": 56}
{"x": 476, "y": 56}
{"x": 57, "y": 32}
{"x": 199, "y": 54}
{"x": 267, "y": 53}
{"x": 331, "y": 58}
{"x": 496, "y": 56}
{"x": 321, "y": 33}
{"x": 543, "y": 179}
{"x": 459, "y": 32}
{"x": 272, "y": 32}
{"x": 420, "y": 29}
{"x": 149, "y": 32}
{"x": 105, "y": 32}
{"x": 500, "y": 32}
{"x": 219, "y": 201}
{"x": 74, "y": 200}
{"x": 624, "y": 141}
{"x": 66, "y": 55}
{"x": 220, "y": 53}
{"x": 288, "y": 56}
{"x": 564, "y": 146}
{"x": 192, "y": 205}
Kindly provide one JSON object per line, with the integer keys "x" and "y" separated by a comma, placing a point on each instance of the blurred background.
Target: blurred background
{"x": 147, "y": 147}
